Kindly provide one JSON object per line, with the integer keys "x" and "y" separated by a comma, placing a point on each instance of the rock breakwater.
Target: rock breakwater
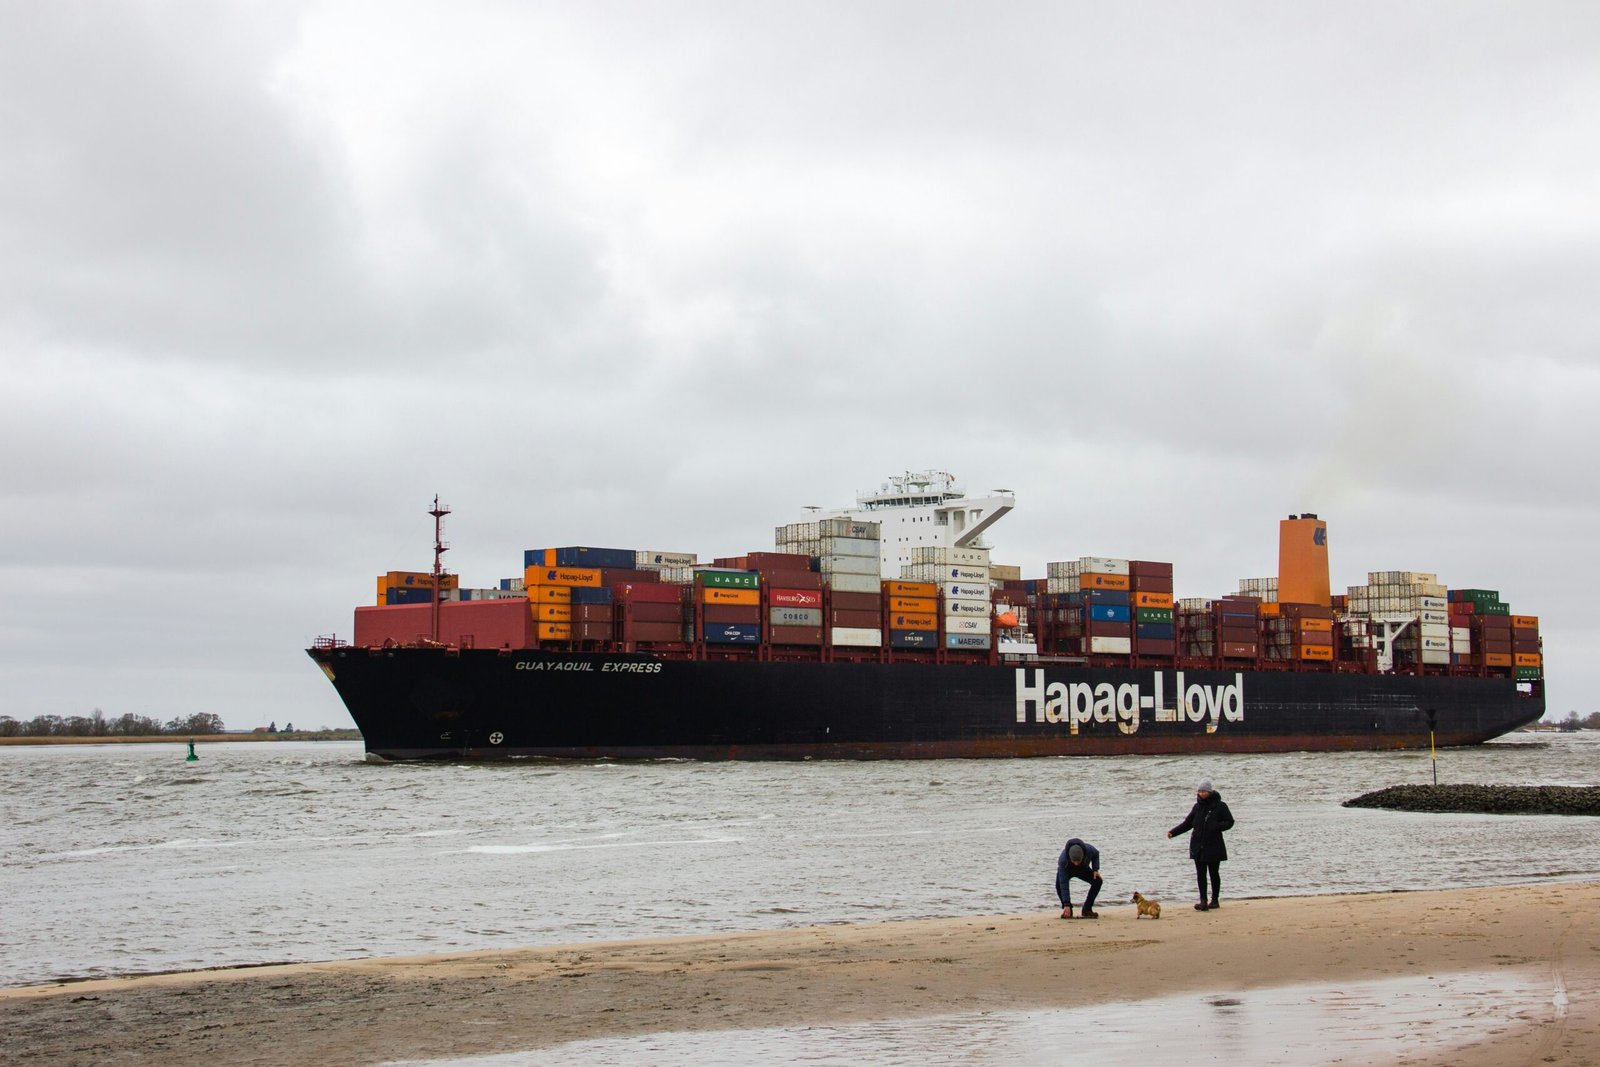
{"x": 1485, "y": 799}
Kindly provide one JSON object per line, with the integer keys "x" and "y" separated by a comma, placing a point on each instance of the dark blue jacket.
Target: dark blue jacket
{"x": 1066, "y": 869}
{"x": 1208, "y": 819}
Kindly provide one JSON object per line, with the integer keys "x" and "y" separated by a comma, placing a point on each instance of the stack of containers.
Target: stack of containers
{"x": 1197, "y": 628}
{"x": 912, "y": 611}
{"x": 1413, "y": 595}
{"x": 1526, "y": 653}
{"x": 411, "y": 587}
{"x": 849, "y": 558}
{"x": 1150, "y": 590}
{"x": 961, "y": 579}
{"x": 1492, "y": 630}
{"x": 651, "y": 612}
{"x": 1300, "y": 632}
{"x": 793, "y": 597}
{"x": 1103, "y": 589}
{"x": 1263, "y": 589}
{"x": 727, "y": 606}
{"x": 549, "y": 590}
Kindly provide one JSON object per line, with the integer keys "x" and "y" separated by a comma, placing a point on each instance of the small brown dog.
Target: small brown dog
{"x": 1146, "y": 906}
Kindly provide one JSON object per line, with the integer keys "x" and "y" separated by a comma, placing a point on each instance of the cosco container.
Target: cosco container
{"x": 779, "y": 616}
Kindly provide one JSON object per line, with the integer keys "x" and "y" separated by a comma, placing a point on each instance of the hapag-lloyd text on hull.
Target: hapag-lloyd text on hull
{"x": 1078, "y": 703}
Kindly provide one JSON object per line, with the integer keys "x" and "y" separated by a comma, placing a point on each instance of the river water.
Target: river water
{"x": 128, "y": 859}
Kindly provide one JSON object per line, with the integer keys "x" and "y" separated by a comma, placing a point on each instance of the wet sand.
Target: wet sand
{"x": 460, "y": 1005}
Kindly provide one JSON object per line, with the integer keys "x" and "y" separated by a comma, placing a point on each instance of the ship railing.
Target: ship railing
{"x": 328, "y": 641}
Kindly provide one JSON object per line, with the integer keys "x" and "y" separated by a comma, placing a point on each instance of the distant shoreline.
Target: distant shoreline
{"x": 184, "y": 739}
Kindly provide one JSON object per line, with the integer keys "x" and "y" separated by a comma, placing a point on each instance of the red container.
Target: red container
{"x": 795, "y": 635}
{"x": 793, "y": 579}
{"x": 465, "y": 623}
{"x": 652, "y": 612}
{"x": 1155, "y": 647}
{"x": 1313, "y": 637}
{"x": 618, "y": 576}
{"x": 777, "y": 562}
{"x": 593, "y": 631}
{"x": 1143, "y": 568}
{"x": 724, "y": 613}
{"x": 865, "y": 620}
{"x": 1237, "y": 633}
{"x": 653, "y": 632}
{"x": 591, "y": 613}
{"x": 1238, "y": 650}
{"x": 795, "y": 598}
{"x": 1097, "y": 628}
{"x": 872, "y": 602}
{"x": 1305, "y": 611}
{"x": 649, "y": 593}
{"x": 1151, "y": 585}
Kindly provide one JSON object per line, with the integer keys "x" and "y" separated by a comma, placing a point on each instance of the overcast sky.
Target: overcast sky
{"x": 658, "y": 275}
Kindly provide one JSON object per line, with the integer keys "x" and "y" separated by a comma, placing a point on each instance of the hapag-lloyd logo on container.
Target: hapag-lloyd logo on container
{"x": 1078, "y": 703}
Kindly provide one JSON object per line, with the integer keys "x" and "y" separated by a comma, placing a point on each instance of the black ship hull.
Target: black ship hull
{"x": 435, "y": 703}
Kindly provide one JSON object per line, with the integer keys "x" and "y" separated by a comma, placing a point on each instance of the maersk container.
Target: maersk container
{"x": 856, "y": 637}
{"x": 1111, "y": 646}
{"x": 968, "y": 642}
{"x": 732, "y": 633}
{"x": 780, "y": 616}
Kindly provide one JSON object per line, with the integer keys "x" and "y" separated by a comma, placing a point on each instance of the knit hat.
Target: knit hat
{"x": 1075, "y": 853}
{"x": 1204, "y": 786}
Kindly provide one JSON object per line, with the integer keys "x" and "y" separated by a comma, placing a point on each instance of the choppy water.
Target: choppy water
{"x": 126, "y": 859}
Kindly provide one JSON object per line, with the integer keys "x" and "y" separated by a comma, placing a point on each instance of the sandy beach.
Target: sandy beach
{"x": 1544, "y": 937}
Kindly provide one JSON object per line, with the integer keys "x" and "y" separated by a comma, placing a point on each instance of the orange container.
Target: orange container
{"x": 554, "y": 631}
{"x": 1151, "y": 600}
{"x": 900, "y": 620}
{"x": 926, "y": 590}
{"x": 586, "y": 576}
{"x": 1318, "y": 652}
{"x": 710, "y": 594}
{"x": 916, "y": 604}
{"x": 1320, "y": 626}
{"x": 546, "y": 612}
{"x": 1528, "y": 659}
{"x": 1271, "y": 610}
{"x": 550, "y": 594}
{"x": 1096, "y": 580}
{"x": 1525, "y": 622}
{"x": 1497, "y": 659}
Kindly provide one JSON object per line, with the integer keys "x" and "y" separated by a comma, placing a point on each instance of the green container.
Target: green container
{"x": 1529, "y": 674}
{"x": 1493, "y": 609}
{"x": 1476, "y": 596}
{"x": 729, "y": 579}
{"x": 1152, "y": 614}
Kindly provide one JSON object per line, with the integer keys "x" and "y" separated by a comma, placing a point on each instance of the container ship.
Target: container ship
{"x": 885, "y": 631}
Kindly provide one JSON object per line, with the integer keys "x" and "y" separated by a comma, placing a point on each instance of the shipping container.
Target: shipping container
{"x": 649, "y": 593}
{"x": 855, "y": 620}
{"x": 917, "y": 604}
{"x": 717, "y": 614}
{"x": 657, "y": 560}
{"x": 649, "y": 611}
{"x": 913, "y": 639}
{"x": 905, "y": 620}
{"x": 795, "y": 598}
{"x": 652, "y": 632}
{"x": 856, "y": 637}
{"x": 795, "y": 635}
{"x": 553, "y": 631}
{"x": 731, "y": 633}
{"x": 854, "y": 583}
{"x": 915, "y": 590}
{"x": 844, "y": 601}
{"x": 714, "y": 579}
{"x": 779, "y": 616}
{"x": 968, "y": 642}
{"x": 1110, "y": 646}
{"x": 561, "y": 576}
{"x": 713, "y": 594}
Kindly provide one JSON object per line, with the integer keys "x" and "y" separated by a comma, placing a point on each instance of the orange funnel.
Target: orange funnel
{"x": 1303, "y": 561}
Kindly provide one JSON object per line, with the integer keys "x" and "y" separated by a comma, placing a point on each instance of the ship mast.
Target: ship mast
{"x": 439, "y": 549}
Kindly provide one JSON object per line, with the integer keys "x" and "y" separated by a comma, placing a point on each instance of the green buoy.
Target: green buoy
{"x": 191, "y": 757}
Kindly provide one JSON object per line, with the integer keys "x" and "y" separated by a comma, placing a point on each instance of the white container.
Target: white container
{"x": 795, "y": 616}
{"x": 856, "y": 637}
{"x": 1102, "y": 565}
{"x": 649, "y": 561}
{"x": 1111, "y": 646}
{"x": 1433, "y": 618}
{"x": 855, "y": 583}
{"x": 852, "y": 546}
{"x": 1062, "y": 584}
{"x": 1436, "y": 644}
{"x": 963, "y": 572}
{"x": 967, "y": 624}
{"x": 978, "y": 557}
{"x": 965, "y": 591}
{"x": 849, "y": 528}
{"x": 1431, "y": 656}
{"x": 1062, "y": 569}
{"x": 849, "y": 565}
{"x": 1433, "y": 603}
{"x": 968, "y": 642}
{"x": 968, "y": 608}
{"x": 1428, "y": 629}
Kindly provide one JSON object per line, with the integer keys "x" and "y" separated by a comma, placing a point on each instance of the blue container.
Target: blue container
{"x": 402, "y": 595}
{"x": 732, "y": 633}
{"x": 600, "y": 594}
{"x": 582, "y": 556}
{"x": 913, "y": 639}
{"x": 1111, "y": 612}
{"x": 1116, "y": 597}
{"x": 971, "y": 642}
{"x": 1154, "y": 631}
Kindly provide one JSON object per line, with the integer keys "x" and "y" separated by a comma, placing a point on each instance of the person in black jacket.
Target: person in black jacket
{"x": 1206, "y": 822}
{"x": 1078, "y": 860}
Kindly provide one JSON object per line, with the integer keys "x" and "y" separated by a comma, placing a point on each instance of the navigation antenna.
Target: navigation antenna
{"x": 439, "y": 549}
